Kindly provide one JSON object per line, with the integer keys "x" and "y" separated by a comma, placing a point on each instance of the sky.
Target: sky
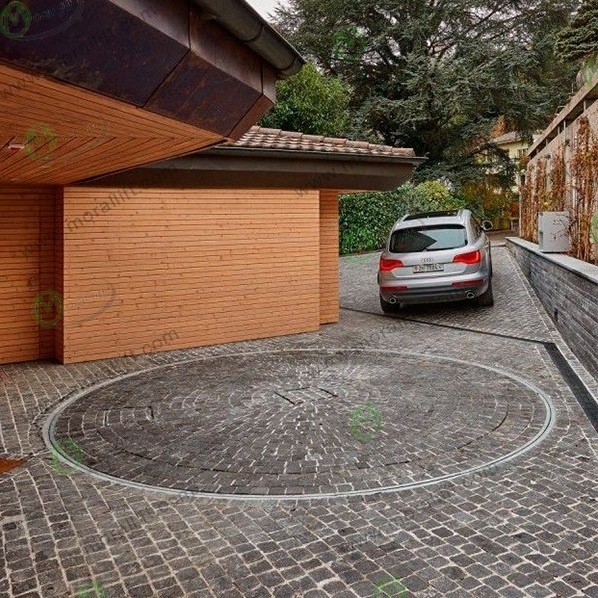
{"x": 264, "y": 6}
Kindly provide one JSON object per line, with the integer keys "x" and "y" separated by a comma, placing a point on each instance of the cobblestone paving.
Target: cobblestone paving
{"x": 525, "y": 527}
{"x": 301, "y": 422}
{"x": 510, "y": 315}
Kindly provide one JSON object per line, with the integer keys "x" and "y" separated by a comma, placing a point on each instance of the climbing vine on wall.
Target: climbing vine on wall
{"x": 534, "y": 198}
{"x": 549, "y": 187}
{"x": 526, "y": 204}
{"x": 583, "y": 204}
{"x": 558, "y": 182}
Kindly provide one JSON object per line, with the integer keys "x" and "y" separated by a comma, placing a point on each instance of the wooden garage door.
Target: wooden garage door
{"x": 26, "y": 268}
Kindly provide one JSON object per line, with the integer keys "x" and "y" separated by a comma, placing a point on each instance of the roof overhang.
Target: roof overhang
{"x": 99, "y": 73}
{"x": 247, "y": 25}
{"x": 251, "y": 168}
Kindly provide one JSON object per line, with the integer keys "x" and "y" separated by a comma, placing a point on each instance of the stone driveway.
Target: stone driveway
{"x": 441, "y": 452}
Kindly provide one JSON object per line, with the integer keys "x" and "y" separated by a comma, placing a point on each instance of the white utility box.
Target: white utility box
{"x": 553, "y": 232}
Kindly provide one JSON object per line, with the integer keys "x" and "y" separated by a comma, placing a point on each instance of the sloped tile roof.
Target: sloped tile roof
{"x": 508, "y": 138}
{"x": 276, "y": 139}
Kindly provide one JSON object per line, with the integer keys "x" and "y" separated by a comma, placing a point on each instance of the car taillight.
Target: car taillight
{"x": 386, "y": 264}
{"x": 472, "y": 257}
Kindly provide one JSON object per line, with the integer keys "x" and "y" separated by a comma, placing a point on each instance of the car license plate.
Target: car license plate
{"x": 428, "y": 268}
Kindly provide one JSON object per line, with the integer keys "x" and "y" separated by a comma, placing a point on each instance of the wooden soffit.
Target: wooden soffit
{"x": 54, "y": 134}
{"x": 159, "y": 56}
{"x": 120, "y": 83}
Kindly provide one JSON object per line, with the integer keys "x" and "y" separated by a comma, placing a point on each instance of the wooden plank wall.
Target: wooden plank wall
{"x": 59, "y": 268}
{"x": 158, "y": 269}
{"x": 329, "y": 262}
{"x": 26, "y": 268}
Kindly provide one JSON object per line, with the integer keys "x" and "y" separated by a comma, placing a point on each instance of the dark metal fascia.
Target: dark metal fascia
{"x": 248, "y": 26}
{"x": 294, "y": 154}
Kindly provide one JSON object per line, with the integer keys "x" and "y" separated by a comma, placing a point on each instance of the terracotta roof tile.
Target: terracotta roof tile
{"x": 275, "y": 139}
{"x": 507, "y": 137}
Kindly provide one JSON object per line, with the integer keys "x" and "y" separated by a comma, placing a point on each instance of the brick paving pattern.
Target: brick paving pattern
{"x": 526, "y": 527}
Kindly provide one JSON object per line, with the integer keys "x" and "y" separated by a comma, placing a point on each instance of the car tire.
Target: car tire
{"x": 486, "y": 299}
{"x": 389, "y": 308}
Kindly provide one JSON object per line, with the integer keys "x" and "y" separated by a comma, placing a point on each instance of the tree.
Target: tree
{"x": 436, "y": 76}
{"x": 311, "y": 102}
{"x": 579, "y": 40}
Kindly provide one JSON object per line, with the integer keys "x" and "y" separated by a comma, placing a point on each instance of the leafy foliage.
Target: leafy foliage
{"x": 366, "y": 218}
{"x": 311, "y": 102}
{"x": 436, "y": 76}
{"x": 579, "y": 40}
{"x": 487, "y": 201}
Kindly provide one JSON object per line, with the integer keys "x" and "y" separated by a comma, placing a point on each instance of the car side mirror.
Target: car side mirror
{"x": 487, "y": 225}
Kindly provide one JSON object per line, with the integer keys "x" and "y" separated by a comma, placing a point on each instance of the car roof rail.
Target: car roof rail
{"x": 438, "y": 214}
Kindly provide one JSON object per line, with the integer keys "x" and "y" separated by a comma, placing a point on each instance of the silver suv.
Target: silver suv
{"x": 435, "y": 257}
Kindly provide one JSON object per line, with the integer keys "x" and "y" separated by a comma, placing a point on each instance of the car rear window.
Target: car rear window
{"x": 428, "y": 238}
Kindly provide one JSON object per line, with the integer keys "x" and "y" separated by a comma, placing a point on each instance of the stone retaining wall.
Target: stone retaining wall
{"x": 568, "y": 289}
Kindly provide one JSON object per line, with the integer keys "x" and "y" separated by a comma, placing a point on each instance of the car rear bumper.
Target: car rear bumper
{"x": 460, "y": 289}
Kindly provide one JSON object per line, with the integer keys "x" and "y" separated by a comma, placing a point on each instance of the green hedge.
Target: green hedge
{"x": 366, "y": 218}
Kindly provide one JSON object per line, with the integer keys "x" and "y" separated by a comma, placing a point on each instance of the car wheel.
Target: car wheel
{"x": 389, "y": 308}
{"x": 486, "y": 299}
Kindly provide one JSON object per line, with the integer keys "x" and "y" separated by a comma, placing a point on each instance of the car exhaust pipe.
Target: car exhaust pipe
{"x": 392, "y": 300}
{"x": 470, "y": 295}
